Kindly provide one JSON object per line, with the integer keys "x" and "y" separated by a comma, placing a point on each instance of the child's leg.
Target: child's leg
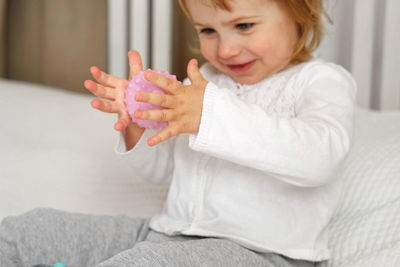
{"x": 185, "y": 251}
{"x": 46, "y": 236}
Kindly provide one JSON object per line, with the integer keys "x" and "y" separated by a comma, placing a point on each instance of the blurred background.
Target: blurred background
{"x": 54, "y": 42}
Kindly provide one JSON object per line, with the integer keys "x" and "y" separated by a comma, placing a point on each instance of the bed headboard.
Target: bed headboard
{"x": 364, "y": 39}
{"x": 142, "y": 25}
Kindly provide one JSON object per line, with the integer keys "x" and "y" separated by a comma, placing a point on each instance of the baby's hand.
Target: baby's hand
{"x": 182, "y": 104}
{"x": 112, "y": 89}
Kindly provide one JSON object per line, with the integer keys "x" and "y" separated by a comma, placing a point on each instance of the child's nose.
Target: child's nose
{"x": 228, "y": 49}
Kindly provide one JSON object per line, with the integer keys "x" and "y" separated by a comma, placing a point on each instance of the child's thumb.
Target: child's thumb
{"x": 193, "y": 71}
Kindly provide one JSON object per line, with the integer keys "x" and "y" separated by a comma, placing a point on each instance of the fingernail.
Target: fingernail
{"x": 150, "y": 142}
{"x": 138, "y": 114}
{"x": 147, "y": 74}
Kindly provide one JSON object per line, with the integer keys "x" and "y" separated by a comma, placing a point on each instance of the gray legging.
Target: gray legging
{"x": 47, "y": 236}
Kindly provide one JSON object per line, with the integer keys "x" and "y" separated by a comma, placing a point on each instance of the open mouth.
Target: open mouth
{"x": 241, "y": 67}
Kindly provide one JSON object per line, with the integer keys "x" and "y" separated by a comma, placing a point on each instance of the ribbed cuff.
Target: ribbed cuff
{"x": 199, "y": 140}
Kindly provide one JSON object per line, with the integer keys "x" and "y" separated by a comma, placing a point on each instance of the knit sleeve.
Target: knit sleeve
{"x": 303, "y": 150}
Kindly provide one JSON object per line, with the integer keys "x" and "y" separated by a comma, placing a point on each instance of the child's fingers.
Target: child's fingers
{"x": 163, "y": 135}
{"x": 99, "y": 90}
{"x": 122, "y": 122}
{"x": 155, "y": 115}
{"x": 162, "y": 100}
{"x": 169, "y": 85}
{"x": 104, "y": 78}
{"x": 107, "y": 107}
{"x": 193, "y": 72}
{"x": 135, "y": 63}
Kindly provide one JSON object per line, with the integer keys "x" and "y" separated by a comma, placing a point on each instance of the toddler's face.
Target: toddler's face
{"x": 254, "y": 40}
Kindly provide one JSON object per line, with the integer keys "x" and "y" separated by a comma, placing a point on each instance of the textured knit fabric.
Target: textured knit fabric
{"x": 259, "y": 171}
{"x": 43, "y": 237}
{"x": 46, "y": 236}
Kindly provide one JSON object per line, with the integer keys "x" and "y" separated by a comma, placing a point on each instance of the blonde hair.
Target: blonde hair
{"x": 308, "y": 15}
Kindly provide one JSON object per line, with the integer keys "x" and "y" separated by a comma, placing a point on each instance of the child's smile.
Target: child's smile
{"x": 249, "y": 43}
{"x": 241, "y": 67}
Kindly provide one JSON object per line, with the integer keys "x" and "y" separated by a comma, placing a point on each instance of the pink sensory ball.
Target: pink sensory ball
{"x": 140, "y": 84}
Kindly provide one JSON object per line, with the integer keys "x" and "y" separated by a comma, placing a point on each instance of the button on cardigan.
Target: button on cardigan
{"x": 261, "y": 169}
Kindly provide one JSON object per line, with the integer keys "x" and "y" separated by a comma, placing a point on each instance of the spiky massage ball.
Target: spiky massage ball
{"x": 140, "y": 84}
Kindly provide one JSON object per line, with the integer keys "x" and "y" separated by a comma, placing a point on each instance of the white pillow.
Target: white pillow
{"x": 365, "y": 230}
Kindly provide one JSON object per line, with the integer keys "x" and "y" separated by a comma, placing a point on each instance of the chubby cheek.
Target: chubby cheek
{"x": 209, "y": 51}
{"x": 272, "y": 51}
{"x": 206, "y": 49}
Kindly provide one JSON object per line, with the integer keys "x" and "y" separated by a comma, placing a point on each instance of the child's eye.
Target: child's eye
{"x": 207, "y": 31}
{"x": 244, "y": 26}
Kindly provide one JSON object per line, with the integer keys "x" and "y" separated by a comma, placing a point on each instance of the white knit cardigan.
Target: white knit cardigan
{"x": 260, "y": 171}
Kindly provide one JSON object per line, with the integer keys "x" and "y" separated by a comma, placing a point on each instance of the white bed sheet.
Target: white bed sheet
{"x": 57, "y": 151}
